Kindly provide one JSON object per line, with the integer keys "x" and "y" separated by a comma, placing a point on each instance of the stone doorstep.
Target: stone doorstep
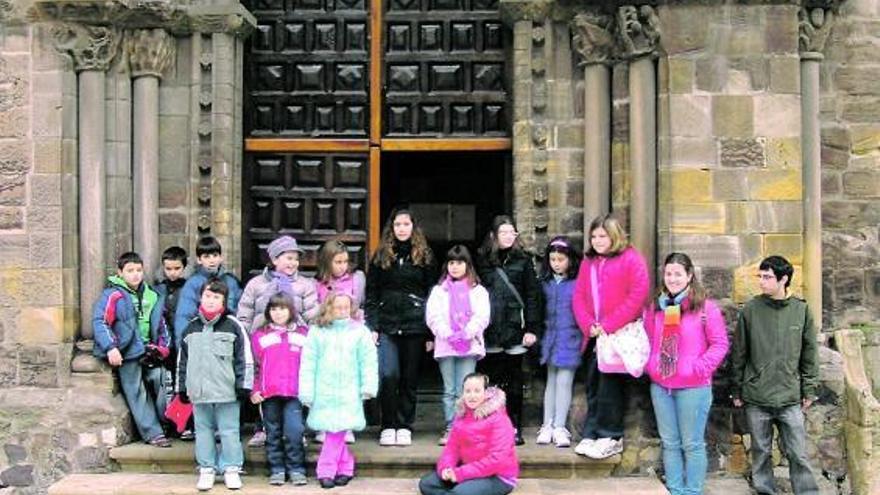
{"x": 536, "y": 461}
{"x": 172, "y": 484}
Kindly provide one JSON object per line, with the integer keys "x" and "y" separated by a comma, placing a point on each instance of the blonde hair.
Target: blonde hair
{"x": 615, "y": 232}
{"x": 325, "y": 315}
{"x": 328, "y": 251}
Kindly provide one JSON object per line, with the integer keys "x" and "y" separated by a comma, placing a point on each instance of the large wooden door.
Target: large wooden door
{"x": 332, "y": 85}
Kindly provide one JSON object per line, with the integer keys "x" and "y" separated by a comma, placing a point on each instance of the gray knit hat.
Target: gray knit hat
{"x": 282, "y": 245}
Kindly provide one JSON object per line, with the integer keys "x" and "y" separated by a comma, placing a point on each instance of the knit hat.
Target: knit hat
{"x": 282, "y": 245}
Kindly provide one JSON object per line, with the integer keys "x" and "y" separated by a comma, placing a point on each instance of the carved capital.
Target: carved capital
{"x": 638, "y": 29}
{"x": 814, "y": 27}
{"x": 91, "y": 47}
{"x": 593, "y": 37}
{"x": 229, "y": 19}
{"x": 150, "y": 52}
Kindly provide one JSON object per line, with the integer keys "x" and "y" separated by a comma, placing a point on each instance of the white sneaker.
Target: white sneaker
{"x": 404, "y": 437}
{"x": 206, "y": 479}
{"x": 605, "y": 447}
{"x": 231, "y": 478}
{"x": 545, "y": 435}
{"x": 585, "y": 446}
{"x": 349, "y": 436}
{"x": 388, "y": 437}
{"x": 319, "y": 437}
{"x": 561, "y": 437}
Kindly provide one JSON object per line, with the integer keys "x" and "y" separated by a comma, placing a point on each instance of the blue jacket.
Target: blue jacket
{"x": 561, "y": 345}
{"x": 115, "y": 324}
{"x": 190, "y": 296}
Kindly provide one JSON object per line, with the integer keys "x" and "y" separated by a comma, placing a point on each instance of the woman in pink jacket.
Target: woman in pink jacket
{"x": 610, "y": 291}
{"x": 688, "y": 343}
{"x": 480, "y": 457}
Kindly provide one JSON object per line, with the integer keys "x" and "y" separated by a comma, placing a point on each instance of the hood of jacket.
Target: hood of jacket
{"x": 495, "y": 401}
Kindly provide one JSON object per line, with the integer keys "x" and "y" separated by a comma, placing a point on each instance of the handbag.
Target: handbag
{"x": 624, "y": 351}
{"x": 178, "y": 413}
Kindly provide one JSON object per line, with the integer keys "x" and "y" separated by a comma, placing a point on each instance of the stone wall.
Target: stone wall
{"x": 851, "y": 167}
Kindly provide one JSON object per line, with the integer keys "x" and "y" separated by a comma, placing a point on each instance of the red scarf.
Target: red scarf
{"x": 210, "y": 315}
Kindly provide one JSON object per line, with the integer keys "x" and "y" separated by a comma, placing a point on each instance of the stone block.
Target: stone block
{"x": 858, "y": 80}
{"x": 834, "y": 157}
{"x": 831, "y": 184}
{"x": 44, "y": 218}
{"x": 849, "y": 287}
{"x": 682, "y": 73}
{"x": 745, "y": 283}
{"x": 865, "y": 139}
{"x": 732, "y": 116}
{"x": 719, "y": 251}
{"x": 781, "y": 29}
{"x": 685, "y": 186}
{"x": 689, "y": 115}
{"x": 775, "y": 185}
{"x": 47, "y": 156}
{"x": 38, "y": 366}
{"x": 172, "y": 223}
{"x": 11, "y": 286}
{"x": 838, "y": 214}
{"x": 697, "y": 218}
{"x": 789, "y": 246}
{"x": 862, "y": 183}
{"x": 45, "y": 250}
{"x": 785, "y": 75}
{"x": 783, "y": 152}
{"x": 686, "y": 28}
{"x": 15, "y": 156}
{"x": 743, "y": 152}
{"x": 11, "y": 218}
{"x": 574, "y": 193}
{"x": 12, "y": 192}
{"x": 729, "y": 185}
{"x": 15, "y": 250}
{"x": 41, "y": 325}
{"x": 765, "y": 216}
{"x": 173, "y": 193}
{"x": 45, "y": 190}
{"x": 747, "y": 74}
{"x": 570, "y": 136}
{"x": 777, "y": 115}
{"x": 861, "y": 109}
{"x": 14, "y": 122}
{"x": 21, "y": 475}
{"x": 687, "y": 152}
{"x": 42, "y": 287}
{"x": 711, "y": 73}
{"x": 47, "y": 117}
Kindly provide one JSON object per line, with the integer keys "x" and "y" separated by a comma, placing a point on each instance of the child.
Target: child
{"x": 480, "y": 457}
{"x": 562, "y": 343}
{"x": 280, "y": 275}
{"x": 277, "y": 349}
{"x": 212, "y": 374}
{"x": 337, "y": 274}
{"x": 457, "y": 314}
{"x": 339, "y": 370}
{"x": 169, "y": 280}
{"x": 131, "y": 335}
{"x": 210, "y": 260}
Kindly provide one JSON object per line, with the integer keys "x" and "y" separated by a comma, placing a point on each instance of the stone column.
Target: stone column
{"x": 594, "y": 41}
{"x": 815, "y": 24}
{"x": 639, "y": 31}
{"x": 92, "y": 49}
{"x": 151, "y": 53}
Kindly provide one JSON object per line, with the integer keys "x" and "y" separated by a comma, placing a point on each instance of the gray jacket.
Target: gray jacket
{"x": 215, "y": 363}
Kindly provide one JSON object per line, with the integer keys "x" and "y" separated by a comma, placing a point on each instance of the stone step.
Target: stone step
{"x": 536, "y": 461}
{"x": 176, "y": 484}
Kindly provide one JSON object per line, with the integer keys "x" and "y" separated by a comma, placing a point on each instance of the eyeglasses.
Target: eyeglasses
{"x": 765, "y": 276}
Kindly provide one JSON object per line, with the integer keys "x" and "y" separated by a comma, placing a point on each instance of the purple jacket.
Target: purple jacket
{"x": 276, "y": 357}
{"x": 562, "y": 343}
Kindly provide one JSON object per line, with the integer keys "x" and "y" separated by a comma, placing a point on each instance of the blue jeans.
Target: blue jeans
{"x": 144, "y": 392}
{"x": 431, "y": 484}
{"x": 681, "y": 421}
{"x": 282, "y": 418}
{"x": 223, "y": 418}
{"x": 789, "y": 421}
{"x": 453, "y": 370}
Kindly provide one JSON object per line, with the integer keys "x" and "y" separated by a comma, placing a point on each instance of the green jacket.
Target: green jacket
{"x": 775, "y": 354}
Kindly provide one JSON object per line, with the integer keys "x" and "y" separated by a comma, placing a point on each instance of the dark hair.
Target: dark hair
{"x": 489, "y": 249}
{"x": 611, "y": 225}
{"x": 217, "y": 286}
{"x": 175, "y": 253}
{"x": 208, "y": 245}
{"x": 421, "y": 252}
{"x": 279, "y": 300}
{"x": 561, "y": 244}
{"x": 477, "y": 375}
{"x": 128, "y": 257}
{"x": 779, "y": 266}
{"x": 460, "y": 253}
{"x": 697, "y": 293}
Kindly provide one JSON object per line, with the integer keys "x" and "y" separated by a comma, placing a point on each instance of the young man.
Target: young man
{"x": 776, "y": 375}
{"x": 210, "y": 260}
{"x": 131, "y": 335}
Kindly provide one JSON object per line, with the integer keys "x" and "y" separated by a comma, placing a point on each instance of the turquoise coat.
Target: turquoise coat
{"x": 338, "y": 369}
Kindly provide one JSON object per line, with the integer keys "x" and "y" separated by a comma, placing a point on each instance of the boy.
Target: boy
{"x": 775, "y": 375}
{"x": 210, "y": 264}
{"x": 131, "y": 335}
{"x": 212, "y": 374}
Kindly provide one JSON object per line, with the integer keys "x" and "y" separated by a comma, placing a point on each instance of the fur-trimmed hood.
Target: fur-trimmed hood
{"x": 495, "y": 401}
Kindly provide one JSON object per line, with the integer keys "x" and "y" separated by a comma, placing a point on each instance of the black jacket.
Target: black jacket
{"x": 396, "y": 296}
{"x": 507, "y": 327}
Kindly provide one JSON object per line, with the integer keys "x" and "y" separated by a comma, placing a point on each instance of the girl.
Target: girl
{"x": 479, "y": 458}
{"x": 562, "y": 343}
{"x": 337, "y": 274}
{"x": 338, "y": 371}
{"x": 610, "y": 292}
{"x": 508, "y": 274}
{"x": 212, "y": 372}
{"x": 458, "y": 312}
{"x": 688, "y": 342}
{"x": 277, "y": 348}
{"x": 401, "y": 274}
{"x": 280, "y": 275}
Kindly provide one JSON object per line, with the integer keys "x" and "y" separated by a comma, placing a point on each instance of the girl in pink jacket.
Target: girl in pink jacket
{"x": 688, "y": 342}
{"x": 610, "y": 291}
{"x": 277, "y": 348}
{"x": 480, "y": 456}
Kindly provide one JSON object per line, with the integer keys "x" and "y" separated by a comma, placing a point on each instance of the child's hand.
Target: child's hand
{"x": 366, "y": 396}
{"x": 375, "y": 337}
{"x": 256, "y": 398}
{"x": 596, "y": 330}
{"x": 114, "y": 357}
{"x": 448, "y": 474}
{"x": 429, "y": 346}
{"x": 529, "y": 339}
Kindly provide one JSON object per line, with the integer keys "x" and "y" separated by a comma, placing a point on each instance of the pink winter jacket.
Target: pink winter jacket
{"x": 437, "y": 318}
{"x": 623, "y": 291}
{"x": 701, "y": 348}
{"x": 276, "y": 356}
{"x": 481, "y": 444}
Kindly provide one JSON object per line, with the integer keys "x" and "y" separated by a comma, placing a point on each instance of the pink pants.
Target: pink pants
{"x": 335, "y": 458}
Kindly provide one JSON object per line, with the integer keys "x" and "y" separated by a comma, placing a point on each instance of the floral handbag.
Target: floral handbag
{"x": 624, "y": 351}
